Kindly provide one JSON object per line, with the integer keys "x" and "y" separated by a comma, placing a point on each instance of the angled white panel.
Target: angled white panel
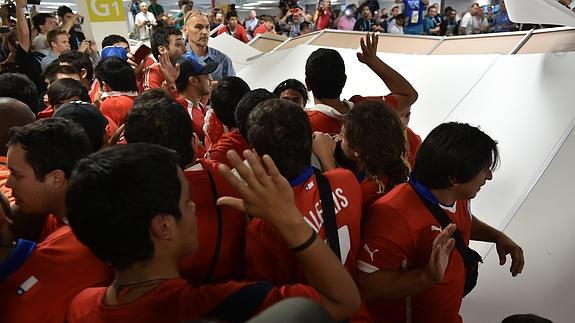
{"x": 238, "y": 51}
{"x": 523, "y": 103}
{"x": 540, "y": 12}
{"x": 543, "y": 225}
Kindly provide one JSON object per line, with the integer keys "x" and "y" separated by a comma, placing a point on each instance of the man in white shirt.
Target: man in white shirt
{"x": 144, "y": 21}
{"x": 467, "y": 22}
{"x": 44, "y": 23}
{"x": 251, "y": 24}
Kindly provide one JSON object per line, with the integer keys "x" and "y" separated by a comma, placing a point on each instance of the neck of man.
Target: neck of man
{"x": 199, "y": 50}
{"x": 191, "y": 95}
{"x": 444, "y": 196}
{"x": 141, "y": 278}
{"x": 334, "y": 103}
{"x": 60, "y": 209}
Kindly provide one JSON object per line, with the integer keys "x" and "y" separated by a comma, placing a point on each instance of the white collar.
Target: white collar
{"x": 331, "y": 112}
{"x": 118, "y": 93}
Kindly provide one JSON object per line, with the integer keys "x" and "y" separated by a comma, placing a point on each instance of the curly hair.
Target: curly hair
{"x": 375, "y": 132}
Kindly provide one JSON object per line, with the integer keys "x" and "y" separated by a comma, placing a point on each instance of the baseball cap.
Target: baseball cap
{"x": 191, "y": 64}
{"x": 88, "y": 117}
{"x": 114, "y": 51}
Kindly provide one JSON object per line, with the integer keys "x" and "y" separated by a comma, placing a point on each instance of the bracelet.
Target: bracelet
{"x": 306, "y": 244}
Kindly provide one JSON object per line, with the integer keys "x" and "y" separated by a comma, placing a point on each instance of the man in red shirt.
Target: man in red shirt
{"x": 150, "y": 226}
{"x": 225, "y": 98}
{"x": 167, "y": 44}
{"x": 406, "y": 267}
{"x": 118, "y": 82}
{"x": 267, "y": 25}
{"x": 234, "y": 28}
{"x": 325, "y": 77}
{"x": 193, "y": 82}
{"x": 41, "y": 156}
{"x": 281, "y": 129}
{"x": 221, "y": 228}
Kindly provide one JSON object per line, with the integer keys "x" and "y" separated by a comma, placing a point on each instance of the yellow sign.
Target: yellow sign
{"x": 106, "y": 10}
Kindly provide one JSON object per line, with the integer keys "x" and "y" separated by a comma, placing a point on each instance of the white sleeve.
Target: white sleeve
{"x": 465, "y": 21}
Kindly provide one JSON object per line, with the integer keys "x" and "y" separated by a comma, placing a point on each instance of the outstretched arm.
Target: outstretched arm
{"x": 267, "y": 194}
{"x": 400, "y": 88}
{"x": 481, "y": 231}
{"x": 23, "y": 30}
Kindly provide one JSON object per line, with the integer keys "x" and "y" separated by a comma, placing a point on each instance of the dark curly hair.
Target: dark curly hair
{"x": 376, "y": 133}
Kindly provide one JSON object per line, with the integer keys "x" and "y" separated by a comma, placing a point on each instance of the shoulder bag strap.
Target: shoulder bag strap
{"x": 328, "y": 212}
{"x": 218, "y": 248}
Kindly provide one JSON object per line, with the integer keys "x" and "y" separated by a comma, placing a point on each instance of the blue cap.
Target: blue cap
{"x": 114, "y": 51}
{"x": 193, "y": 65}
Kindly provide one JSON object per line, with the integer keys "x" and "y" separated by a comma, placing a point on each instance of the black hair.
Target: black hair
{"x": 294, "y": 85}
{"x": 281, "y": 129}
{"x": 51, "y": 144}
{"x": 80, "y": 61}
{"x": 40, "y": 19}
{"x": 162, "y": 122}
{"x": 454, "y": 152}
{"x": 63, "y": 10}
{"x": 55, "y": 68}
{"x": 400, "y": 16}
{"x": 21, "y": 88}
{"x": 63, "y": 90}
{"x": 111, "y": 40}
{"x": 161, "y": 37}
{"x": 304, "y": 25}
{"x": 114, "y": 194}
{"x": 247, "y": 104}
{"x": 325, "y": 73}
{"x": 376, "y": 133}
{"x": 117, "y": 74}
{"x": 231, "y": 14}
{"x": 525, "y": 318}
{"x": 225, "y": 98}
{"x": 152, "y": 94}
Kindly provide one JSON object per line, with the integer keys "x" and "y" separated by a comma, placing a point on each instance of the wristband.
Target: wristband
{"x": 306, "y": 244}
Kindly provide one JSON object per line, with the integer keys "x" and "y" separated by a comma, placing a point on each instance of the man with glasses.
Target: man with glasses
{"x": 197, "y": 29}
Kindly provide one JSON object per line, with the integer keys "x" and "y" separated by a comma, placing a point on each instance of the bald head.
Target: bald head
{"x": 14, "y": 114}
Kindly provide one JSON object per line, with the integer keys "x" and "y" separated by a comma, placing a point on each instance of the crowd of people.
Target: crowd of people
{"x": 165, "y": 189}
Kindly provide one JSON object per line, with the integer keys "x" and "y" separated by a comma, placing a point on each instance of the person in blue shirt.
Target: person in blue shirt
{"x": 430, "y": 24}
{"x": 413, "y": 11}
{"x": 501, "y": 23}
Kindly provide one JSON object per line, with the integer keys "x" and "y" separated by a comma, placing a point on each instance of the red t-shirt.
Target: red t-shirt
{"x": 43, "y": 287}
{"x": 197, "y": 113}
{"x": 323, "y": 19}
{"x": 398, "y": 236}
{"x": 46, "y": 113}
{"x": 230, "y": 263}
{"x": 214, "y": 129}
{"x": 261, "y": 29}
{"x": 229, "y": 141}
{"x": 240, "y": 33}
{"x": 117, "y": 107}
{"x": 370, "y": 192}
{"x": 153, "y": 79}
{"x": 51, "y": 224}
{"x": 177, "y": 301}
{"x": 267, "y": 256}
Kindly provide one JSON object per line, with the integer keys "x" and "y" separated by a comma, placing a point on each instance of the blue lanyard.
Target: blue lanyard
{"x": 302, "y": 177}
{"x": 17, "y": 258}
{"x": 423, "y": 191}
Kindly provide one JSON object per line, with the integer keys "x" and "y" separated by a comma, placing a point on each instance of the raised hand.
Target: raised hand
{"x": 368, "y": 53}
{"x": 169, "y": 71}
{"x": 440, "y": 252}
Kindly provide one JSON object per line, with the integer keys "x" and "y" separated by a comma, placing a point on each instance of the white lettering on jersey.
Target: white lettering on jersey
{"x": 343, "y": 200}
{"x": 371, "y": 253}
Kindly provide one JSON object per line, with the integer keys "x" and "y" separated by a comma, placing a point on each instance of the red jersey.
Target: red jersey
{"x": 229, "y": 141}
{"x": 46, "y": 113}
{"x": 56, "y": 271}
{"x": 51, "y": 224}
{"x": 370, "y": 192}
{"x": 177, "y": 301}
{"x": 261, "y": 29}
{"x": 197, "y": 113}
{"x": 267, "y": 256}
{"x": 4, "y": 174}
{"x": 398, "y": 236}
{"x": 240, "y": 33}
{"x": 230, "y": 262}
{"x": 153, "y": 79}
{"x": 117, "y": 105}
{"x": 214, "y": 129}
{"x": 323, "y": 19}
